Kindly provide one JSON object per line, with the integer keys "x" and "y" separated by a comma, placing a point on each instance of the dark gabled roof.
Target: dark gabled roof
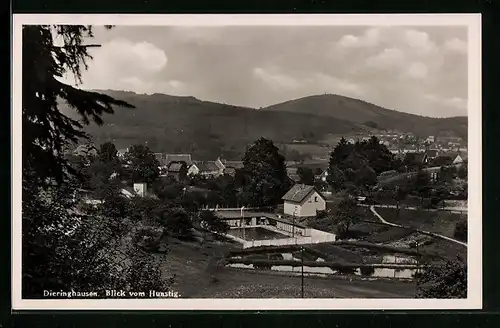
{"x": 208, "y": 166}
{"x": 444, "y": 160}
{"x": 169, "y": 158}
{"x": 175, "y": 167}
{"x": 122, "y": 151}
{"x": 298, "y": 193}
{"x": 431, "y": 152}
{"x": 451, "y": 154}
{"x": 159, "y": 157}
{"x": 292, "y": 173}
{"x": 233, "y": 164}
{"x": 419, "y": 157}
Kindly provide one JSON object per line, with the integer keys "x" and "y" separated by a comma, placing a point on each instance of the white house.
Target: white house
{"x": 140, "y": 189}
{"x": 458, "y": 159}
{"x": 303, "y": 201}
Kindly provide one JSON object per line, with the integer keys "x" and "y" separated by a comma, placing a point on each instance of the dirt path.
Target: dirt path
{"x": 452, "y": 209}
{"x": 372, "y": 209}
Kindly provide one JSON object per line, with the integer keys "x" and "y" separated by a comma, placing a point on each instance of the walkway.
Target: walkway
{"x": 372, "y": 208}
{"x": 451, "y": 209}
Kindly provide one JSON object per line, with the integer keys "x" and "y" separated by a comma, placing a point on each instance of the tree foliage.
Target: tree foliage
{"x": 462, "y": 171}
{"x": 47, "y": 132}
{"x": 264, "y": 173}
{"x": 356, "y": 166}
{"x": 460, "y": 232}
{"x": 67, "y": 246}
{"x": 345, "y": 213}
{"x": 142, "y": 164}
{"x": 306, "y": 175}
{"x": 448, "y": 280}
{"x": 210, "y": 221}
{"x": 422, "y": 183}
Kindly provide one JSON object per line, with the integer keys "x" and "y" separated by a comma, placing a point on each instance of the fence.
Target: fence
{"x": 289, "y": 241}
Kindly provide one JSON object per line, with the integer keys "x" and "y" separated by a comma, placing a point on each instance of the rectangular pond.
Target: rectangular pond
{"x": 255, "y": 233}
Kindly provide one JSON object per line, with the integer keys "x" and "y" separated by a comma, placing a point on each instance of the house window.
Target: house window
{"x": 315, "y": 199}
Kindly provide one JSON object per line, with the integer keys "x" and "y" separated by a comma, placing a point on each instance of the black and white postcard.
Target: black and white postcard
{"x": 234, "y": 162}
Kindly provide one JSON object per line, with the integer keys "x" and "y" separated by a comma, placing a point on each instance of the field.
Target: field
{"x": 441, "y": 222}
{"x": 198, "y": 276}
{"x": 315, "y": 150}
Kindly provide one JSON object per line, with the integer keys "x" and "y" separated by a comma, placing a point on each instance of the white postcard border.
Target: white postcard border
{"x": 472, "y": 21}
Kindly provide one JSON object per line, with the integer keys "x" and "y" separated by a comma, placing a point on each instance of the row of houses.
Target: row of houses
{"x": 434, "y": 157}
{"x": 181, "y": 165}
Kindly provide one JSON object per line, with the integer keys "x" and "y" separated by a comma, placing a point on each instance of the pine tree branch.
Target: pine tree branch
{"x": 70, "y": 46}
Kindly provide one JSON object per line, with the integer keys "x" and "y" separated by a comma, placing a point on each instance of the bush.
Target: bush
{"x": 367, "y": 270}
{"x": 147, "y": 238}
{"x": 262, "y": 266}
{"x": 344, "y": 270}
{"x": 178, "y": 223}
{"x": 448, "y": 280}
{"x": 461, "y": 230}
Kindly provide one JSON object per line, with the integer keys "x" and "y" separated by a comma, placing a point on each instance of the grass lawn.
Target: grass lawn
{"x": 254, "y": 284}
{"x": 441, "y": 222}
{"x": 445, "y": 248}
{"x": 196, "y": 276}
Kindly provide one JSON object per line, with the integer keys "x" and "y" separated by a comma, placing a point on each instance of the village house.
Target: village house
{"x": 450, "y": 158}
{"x": 433, "y": 173}
{"x": 177, "y": 170}
{"x": 430, "y": 139}
{"x": 178, "y": 158}
{"x": 303, "y": 201}
{"x": 292, "y": 174}
{"x": 138, "y": 189}
{"x": 231, "y": 166}
{"x": 208, "y": 169}
{"x": 121, "y": 152}
{"x": 431, "y": 154}
{"x": 159, "y": 157}
{"x": 416, "y": 158}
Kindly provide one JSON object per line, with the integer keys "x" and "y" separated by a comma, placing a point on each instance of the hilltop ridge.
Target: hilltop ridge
{"x": 189, "y": 125}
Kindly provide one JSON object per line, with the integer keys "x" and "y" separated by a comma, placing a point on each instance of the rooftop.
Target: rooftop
{"x": 175, "y": 167}
{"x": 298, "y": 193}
{"x": 208, "y": 166}
{"x": 169, "y": 158}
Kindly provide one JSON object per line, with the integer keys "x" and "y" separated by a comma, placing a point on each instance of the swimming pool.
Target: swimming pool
{"x": 256, "y": 233}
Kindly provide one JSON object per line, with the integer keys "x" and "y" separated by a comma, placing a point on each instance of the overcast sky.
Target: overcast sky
{"x": 420, "y": 70}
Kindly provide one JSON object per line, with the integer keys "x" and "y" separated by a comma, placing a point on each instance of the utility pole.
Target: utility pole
{"x": 243, "y": 221}
{"x": 302, "y": 275}
{"x": 293, "y": 225}
{"x": 418, "y": 262}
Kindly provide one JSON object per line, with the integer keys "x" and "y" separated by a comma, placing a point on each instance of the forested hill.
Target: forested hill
{"x": 358, "y": 111}
{"x": 186, "y": 124}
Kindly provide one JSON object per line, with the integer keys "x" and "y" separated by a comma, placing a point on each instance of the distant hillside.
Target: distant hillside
{"x": 358, "y": 111}
{"x": 207, "y": 129}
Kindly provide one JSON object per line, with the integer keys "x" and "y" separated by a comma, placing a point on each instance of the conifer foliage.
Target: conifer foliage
{"x": 49, "y": 54}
